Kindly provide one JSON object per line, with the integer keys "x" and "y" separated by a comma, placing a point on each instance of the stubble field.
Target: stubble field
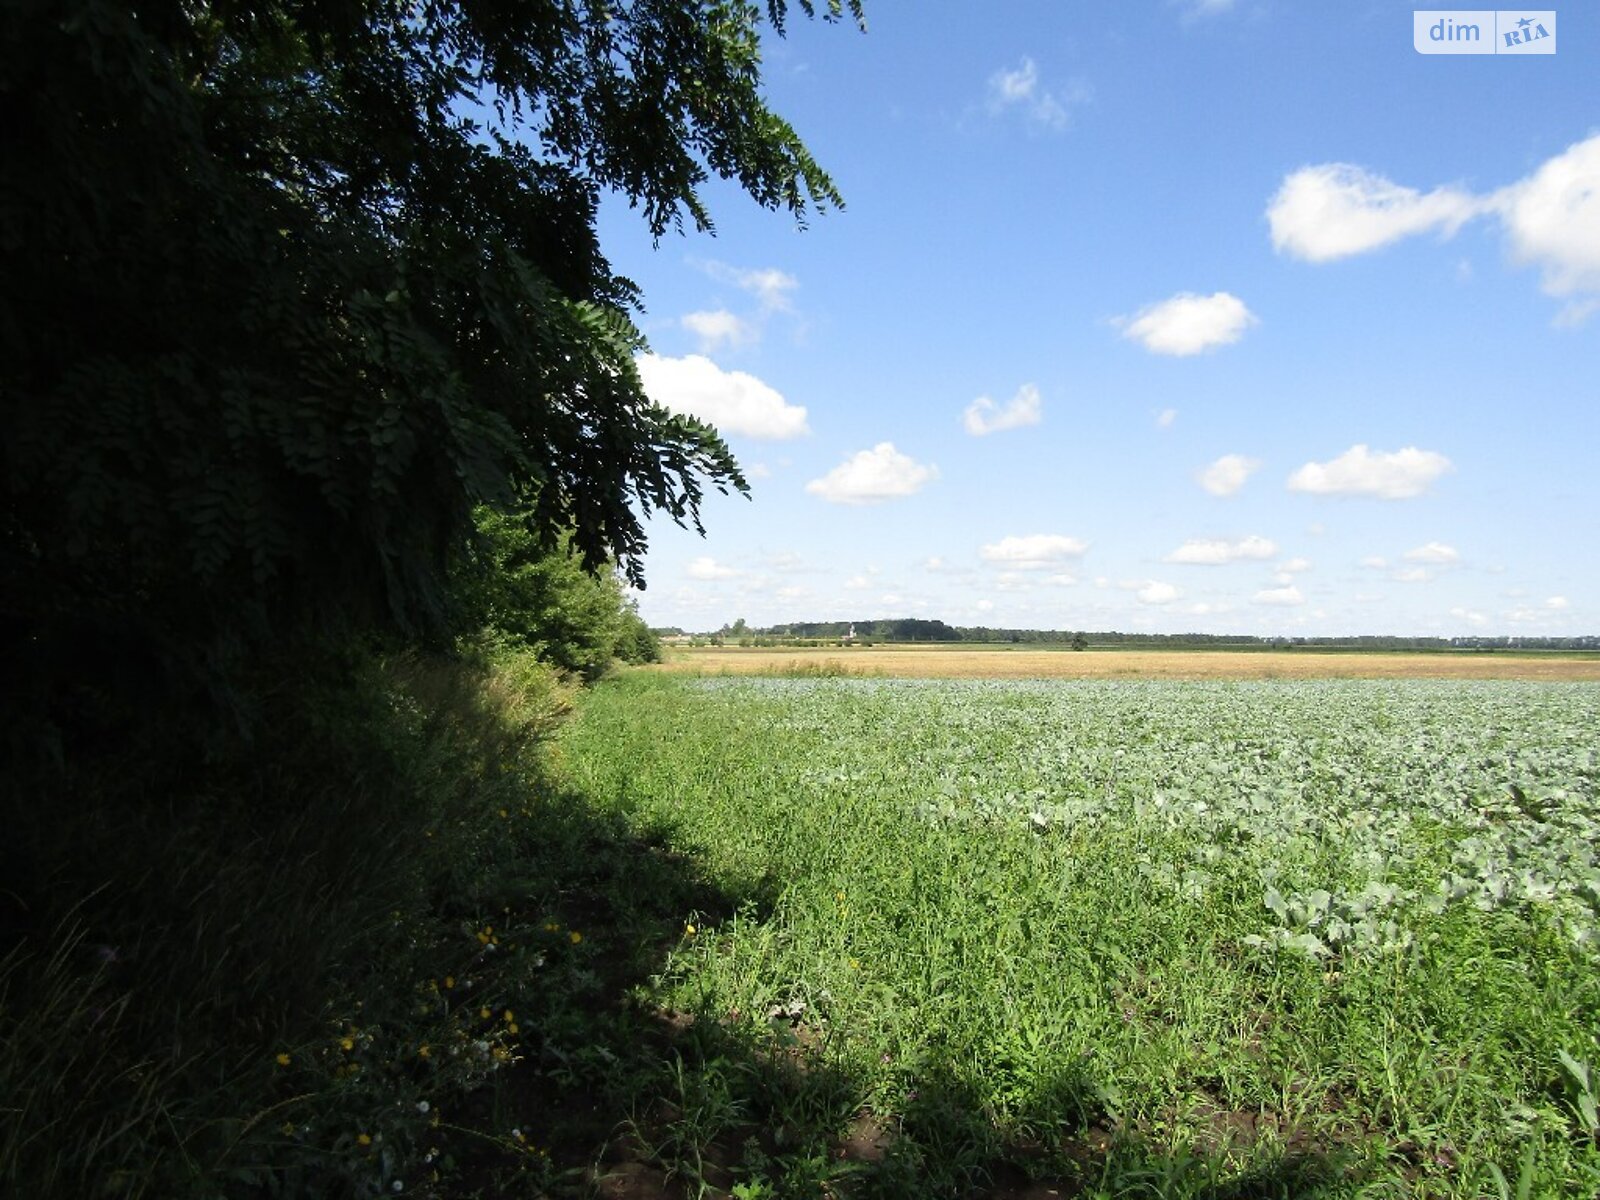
{"x": 1004, "y": 662}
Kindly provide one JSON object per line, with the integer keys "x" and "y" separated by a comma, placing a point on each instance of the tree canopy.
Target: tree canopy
{"x": 293, "y": 288}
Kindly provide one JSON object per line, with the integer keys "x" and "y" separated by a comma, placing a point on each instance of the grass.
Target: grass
{"x": 1139, "y": 939}
{"x": 816, "y": 936}
{"x": 1005, "y": 662}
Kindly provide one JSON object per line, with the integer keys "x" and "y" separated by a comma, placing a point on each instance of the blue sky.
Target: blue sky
{"x": 1226, "y": 317}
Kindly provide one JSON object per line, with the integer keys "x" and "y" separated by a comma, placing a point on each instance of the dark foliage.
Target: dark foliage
{"x": 293, "y": 288}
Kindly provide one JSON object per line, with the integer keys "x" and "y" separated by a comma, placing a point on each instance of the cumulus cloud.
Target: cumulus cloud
{"x": 706, "y": 567}
{"x": 1375, "y": 562}
{"x": 1412, "y": 575}
{"x": 733, "y": 401}
{"x": 1550, "y": 219}
{"x": 1556, "y": 602}
{"x": 871, "y": 476}
{"x": 1362, "y": 472}
{"x": 718, "y": 328}
{"x": 1335, "y": 210}
{"x": 1434, "y": 552}
{"x": 1166, "y": 417}
{"x": 1283, "y": 597}
{"x": 1295, "y": 565}
{"x": 1475, "y": 619}
{"x": 1188, "y": 323}
{"x": 1019, "y": 90}
{"x": 1156, "y": 592}
{"x": 984, "y": 416}
{"x": 1034, "y": 552}
{"x": 1217, "y": 552}
{"x": 1228, "y": 474}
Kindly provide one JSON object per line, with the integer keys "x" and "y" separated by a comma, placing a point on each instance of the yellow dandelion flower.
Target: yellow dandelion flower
{"x": 689, "y": 930}
{"x": 449, "y": 981}
{"x": 283, "y": 1060}
{"x": 551, "y": 927}
{"x": 514, "y": 1027}
{"x": 363, "y": 1139}
{"x": 510, "y": 1016}
{"x": 855, "y": 964}
{"x": 575, "y": 936}
{"x": 347, "y": 1043}
{"x": 484, "y": 1012}
{"x": 504, "y": 813}
{"x": 424, "y": 1051}
{"x": 483, "y": 938}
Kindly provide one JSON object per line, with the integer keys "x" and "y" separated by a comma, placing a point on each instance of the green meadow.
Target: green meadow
{"x": 1116, "y": 938}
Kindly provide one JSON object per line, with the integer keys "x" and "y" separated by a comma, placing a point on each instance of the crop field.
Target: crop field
{"x": 1128, "y": 937}
{"x": 1008, "y": 662}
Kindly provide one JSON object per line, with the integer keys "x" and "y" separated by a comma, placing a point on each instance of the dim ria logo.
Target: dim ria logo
{"x": 1483, "y": 31}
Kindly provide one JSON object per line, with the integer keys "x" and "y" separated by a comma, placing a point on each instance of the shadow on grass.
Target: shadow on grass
{"x": 377, "y": 951}
{"x": 635, "y": 1102}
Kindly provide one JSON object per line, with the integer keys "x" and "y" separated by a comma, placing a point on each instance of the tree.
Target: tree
{"x": 293, "y": 289}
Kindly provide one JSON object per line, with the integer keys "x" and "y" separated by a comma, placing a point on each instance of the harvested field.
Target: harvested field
{"x": 1000, "y": 662}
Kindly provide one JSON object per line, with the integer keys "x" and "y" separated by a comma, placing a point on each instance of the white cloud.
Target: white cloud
{"x": 933, "y": 563}
{"x": 706, "y": 567}
{"x": 1033, "y": 552}
{"x": 984, "y": 416}
{"x": 1475, "y": 619}
{"x": 1061, "y": 579}
{"x": 1434, "y": 552}
{"x": 1166, "y": 417}
{"x": 733, "y": 401}
{"x": 770, "y": 286}
{"x": 1295, "y": 565}
{"x": 1283, "y": 597}
{"x": 1156, "y": 592}
{"x": 1188, "y": 323}
{"x": 857, "y": 583}
{"x": 1228, "y": 474}
{"x": 718, "y": 328}
{"x": 1552, "y": 219}
{"x": 1361, "y": 472}
{"x": 1412, "y": 575}
{"x": 1335, "y": 210}
{"x": 1215, "y": 551}
{"x": 1375, "y": 562}
{"x": 1019, "y": 90}
{"x": 870, "y": 476}
{"x": 1556, "y": 602}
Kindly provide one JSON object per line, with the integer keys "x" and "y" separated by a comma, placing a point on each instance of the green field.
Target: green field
{"x": 1131, "y": 938}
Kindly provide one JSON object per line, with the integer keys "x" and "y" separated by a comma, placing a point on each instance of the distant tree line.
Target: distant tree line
{"x": 914, "y": 629}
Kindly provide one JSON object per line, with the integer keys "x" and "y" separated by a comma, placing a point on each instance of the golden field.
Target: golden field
{"x": 1003, "y": 662}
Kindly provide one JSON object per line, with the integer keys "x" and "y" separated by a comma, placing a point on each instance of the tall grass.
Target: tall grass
{"x": 213, "y": 970}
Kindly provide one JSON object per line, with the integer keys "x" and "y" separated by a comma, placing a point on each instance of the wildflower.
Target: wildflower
{"x": 346, "y": 1043}
{"x": 449, "y": 981}
{"x": 424, "y": 1051}
{"x": 517, "y": 1133}
{"x": 363, "y": 1139}
{"x": 855, "y": 964}
{"x": 423, "y": 1106}
{"x": 397, "y": 1186}
{"x": 510, "y": 1016}
{"x": 551, "y": 927}
{"x": 514, "y": 1027}
{"x": 484, "y": 1012}
{"x": 688, "y": 930}
{"x": 504, "y": 813}
{"x": 575, "y": 936}
{"x": 287, "y": 1129}
{"x": 283, "y": 1060}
